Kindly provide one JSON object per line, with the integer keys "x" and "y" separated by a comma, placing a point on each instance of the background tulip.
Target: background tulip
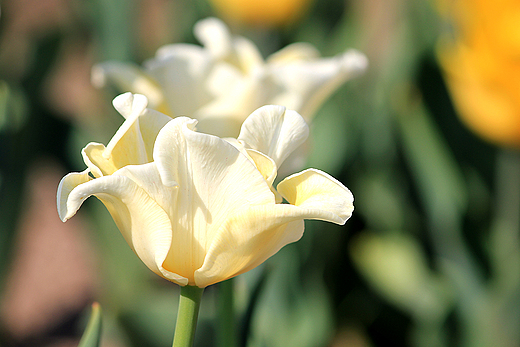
{"x": 481, "y": 62}
{"x": 262, "y": 13}
{"x": 227, "y": 78}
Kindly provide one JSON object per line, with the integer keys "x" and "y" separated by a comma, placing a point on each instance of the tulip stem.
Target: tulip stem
{"x": 187, "y": 316}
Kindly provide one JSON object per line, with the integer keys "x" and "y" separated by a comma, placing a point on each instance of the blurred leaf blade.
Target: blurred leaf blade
{"x": 92, "y": 335}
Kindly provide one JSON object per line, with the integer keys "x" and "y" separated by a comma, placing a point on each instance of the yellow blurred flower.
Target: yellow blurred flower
{"x": 482, "y": 66}
{"x": 198, "y": 209}
{"x": 226, "y": 79}
{"x": 262, "y": 12}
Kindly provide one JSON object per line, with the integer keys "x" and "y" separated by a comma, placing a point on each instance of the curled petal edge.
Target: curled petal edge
{"x": 143, "y": 223}
{"x": 315, "y": 190}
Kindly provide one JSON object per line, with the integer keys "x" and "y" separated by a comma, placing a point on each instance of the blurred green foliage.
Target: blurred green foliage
{"x": 431, "y": 256}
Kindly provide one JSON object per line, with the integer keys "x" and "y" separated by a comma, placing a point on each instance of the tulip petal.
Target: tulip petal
{"x": 257, "y": 232}
{"x": 130, "y": 77}
{"x": 214, "y": 36}
{"x": 181, "y": 70}
{"x": 133, "y": 142}
{"x": 307, "y": 84}
{"x": 248, "y": 239}
{"x": 67, "y": 184}
{"x": 317, "y": 191}
{"x": 274, "y": 131}
{"x": 295, "y": 52}
{"x": 215, "y": 180}
{"x": 264, "y": 164}
{"x": 144, "y": 224}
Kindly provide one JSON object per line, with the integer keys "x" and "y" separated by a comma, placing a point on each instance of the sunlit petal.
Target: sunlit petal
{"x": 143, "y": 223}
{"x": 274, "y": 131}
{"x": 181, "y": 70}
{"x": 206, "y": 169}
{"x": 320, "y": 194}
{"x": 308, "y": 83}
{"x": 67, "y": 184}
{"x": 129, "y": 77}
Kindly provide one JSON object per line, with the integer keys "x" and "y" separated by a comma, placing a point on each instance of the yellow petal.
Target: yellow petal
{"x": 317, "y": 191}
{"x": 143, "y": 223}
{"x": 274, "y": 131}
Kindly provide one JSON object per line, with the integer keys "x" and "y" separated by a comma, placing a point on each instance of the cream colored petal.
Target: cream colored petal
{"x": 143, "y": 223}
{"x": 128, "y": 77}
{"x": 254, "y": 234}
{"x": 307, "y": 84}
{"x": 264, "y": 164}
{"x": 317, "y": 191}
{"x": 67, "y": 184}
{"x": 214, "y": 180}
{"x": 215, "y": 37}
{"x": 299, "y": 51}
{"x": 223, "y": 79}
{"x": 232, "y": 108}
{"x": 267, "y": 168}
{"x": 181, "y": 70}
{"x": 130, "y": 105}
{"x": 99, "y": 165}
{"x": 274, "y": 131}
{"x": 127, "y": 146}
{"x": 134, "y": 140}
{"x": 251, "y": 236}
{"x": 147, "y": 177}
{"x": 248, "y": 239}
{"x": 247, "y": 55}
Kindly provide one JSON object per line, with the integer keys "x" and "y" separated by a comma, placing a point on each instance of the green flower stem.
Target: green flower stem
{"x": 187, "y": 316}
{"x": 226, "y": 330}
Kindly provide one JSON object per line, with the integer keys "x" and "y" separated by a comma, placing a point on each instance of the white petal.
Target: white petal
{"x": 320, "y": 194}
{"x": 181, "y": 70}
{"x": 307, "y": 84}
{"x": 134, "y": 140}
{"x": 67, "y": 184}
{"x": 215, "y": 36}
{"x": 143, "y": 223}
{"x": 128, "y": 77}
{"x": 255, "y": 233}
{"x": 232, "y": 108}
{"x": 294, "y": 52}
{"x": 130, "y": 105}
{"x": 248, "y": 239}
{"x": 128, "y": 137}
{"x": 274, "y": 131}
{"x": 247, "y": 55}
{"x": 214, "y": 181}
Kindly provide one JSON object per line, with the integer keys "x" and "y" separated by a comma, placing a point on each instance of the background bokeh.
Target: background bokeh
{"x": 431, "y": 256}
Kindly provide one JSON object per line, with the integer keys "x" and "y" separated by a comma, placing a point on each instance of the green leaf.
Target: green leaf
{"x": 92, "y": 334}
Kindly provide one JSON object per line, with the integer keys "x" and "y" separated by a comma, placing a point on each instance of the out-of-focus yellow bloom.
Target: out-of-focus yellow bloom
{"x": 482, "y": 66}
{"x": 198, "y": 209}
{"x": 226, "y": 79}
{"x": 262, "y": 12}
